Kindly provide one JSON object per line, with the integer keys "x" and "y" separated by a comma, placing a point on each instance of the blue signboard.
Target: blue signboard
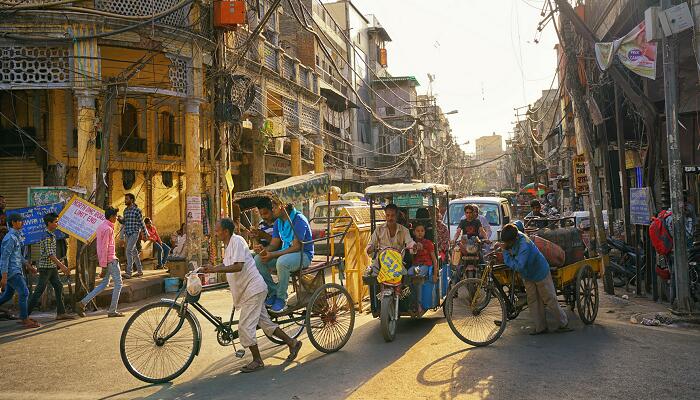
{"x": 34, "y": 229}
{"x": 641, "y": 208}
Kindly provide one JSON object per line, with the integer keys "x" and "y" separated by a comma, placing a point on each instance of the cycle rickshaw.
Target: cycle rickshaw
{"x": 478, "y": 309}
{"x": 160, "y": 340}
{"x": 419, "y": 202}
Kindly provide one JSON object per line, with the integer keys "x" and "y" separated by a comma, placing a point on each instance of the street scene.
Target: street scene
{"x": 349, "y": 199}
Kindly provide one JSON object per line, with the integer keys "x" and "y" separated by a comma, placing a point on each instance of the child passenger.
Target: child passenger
{"x": 422, "y": 261}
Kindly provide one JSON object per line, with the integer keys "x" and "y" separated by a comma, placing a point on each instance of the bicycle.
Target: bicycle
{"x": 160, "y": 340}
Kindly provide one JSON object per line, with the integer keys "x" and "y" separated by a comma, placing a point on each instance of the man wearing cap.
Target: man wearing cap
{"x": 11, "y": 262}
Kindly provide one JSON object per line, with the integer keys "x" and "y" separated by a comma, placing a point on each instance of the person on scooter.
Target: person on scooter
{"x": 391, "y": 234}
{"x": 522, "y": 255}
{"x": 470, "y": 225}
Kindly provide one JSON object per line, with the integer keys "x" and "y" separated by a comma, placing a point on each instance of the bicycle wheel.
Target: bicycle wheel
{"x": 480, "y": 322}
{"x": 147, "y": 355}
{"x": 293, "y": 329}
{"x": 330, "y": 318}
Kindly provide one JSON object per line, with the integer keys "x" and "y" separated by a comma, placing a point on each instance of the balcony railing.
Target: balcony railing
{"x": 169, "y": 149}
{"x": 288, "y": 69}
{"x": 132, "y": 143}
{"x": 140, "y": 8}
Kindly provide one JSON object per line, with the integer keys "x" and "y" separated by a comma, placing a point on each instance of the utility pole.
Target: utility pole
{"x": 584, "y": 132}
{"x": 107, "y": 113}
{"x": 675, "y": 169}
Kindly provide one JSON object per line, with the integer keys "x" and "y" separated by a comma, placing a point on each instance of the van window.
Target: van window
{"x": 491, "y": 211}
{"x": 322, "y": 211}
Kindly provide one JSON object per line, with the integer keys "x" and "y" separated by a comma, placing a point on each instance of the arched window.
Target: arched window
{"x": 129, "y": 139}
{"x": 166, "y": 125}
{"x": 130, "y": 122}
{"x": 167, "y": 139}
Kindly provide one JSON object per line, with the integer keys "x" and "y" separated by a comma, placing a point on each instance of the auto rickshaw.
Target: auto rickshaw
{"x": 391, "y": 294}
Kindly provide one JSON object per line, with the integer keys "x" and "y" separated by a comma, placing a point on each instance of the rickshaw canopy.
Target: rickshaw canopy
{"x": 291, "y": 190}
{"x": 395, "y": 188}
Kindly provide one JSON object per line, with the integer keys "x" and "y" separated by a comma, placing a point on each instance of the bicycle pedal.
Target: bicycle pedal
{"x": 240, "y": 353}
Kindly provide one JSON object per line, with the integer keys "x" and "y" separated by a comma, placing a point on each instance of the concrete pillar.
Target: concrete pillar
{"x": 257, "y": 164}
{"x": 194, "y": 182}
{"x": 319, "y": 153}
{"x": 56, "y": 141}
{"x": 87, "y": 177}
{"x": 296, "y": 156}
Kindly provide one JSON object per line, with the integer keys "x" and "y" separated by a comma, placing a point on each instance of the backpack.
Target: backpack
{"x": 660, "y": 237}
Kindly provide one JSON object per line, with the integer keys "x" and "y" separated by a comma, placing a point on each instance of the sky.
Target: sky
{"x": 482, "y": 54}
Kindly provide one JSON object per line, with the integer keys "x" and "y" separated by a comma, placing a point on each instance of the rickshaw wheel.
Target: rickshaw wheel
{"x": 481, "y": 324}
{"x": 387, "y": 319}
{"x": 293, "y": 329}
{"x": 330, "y": 318}
{"x": 587, "y": 298}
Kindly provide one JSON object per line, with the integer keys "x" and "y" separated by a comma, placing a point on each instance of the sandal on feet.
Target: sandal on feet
{"x": 294, "y": 351}
{"x": 539, "y": 332}
{"x": 563, "y": 329}
{"x": 252, "y": 367}
{"x": 30, "y": 324}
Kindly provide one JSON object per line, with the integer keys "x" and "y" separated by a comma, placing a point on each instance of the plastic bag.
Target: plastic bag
{"x": 390, "y": 267}
{"x": 194, "y": 285}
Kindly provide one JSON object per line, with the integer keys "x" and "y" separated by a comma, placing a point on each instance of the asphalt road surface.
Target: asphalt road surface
{"x": 611, "y": 359}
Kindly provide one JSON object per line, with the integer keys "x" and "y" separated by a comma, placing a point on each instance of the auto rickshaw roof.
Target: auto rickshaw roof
{"x": 291, "y": 190}
{"x": 394, "y": 188}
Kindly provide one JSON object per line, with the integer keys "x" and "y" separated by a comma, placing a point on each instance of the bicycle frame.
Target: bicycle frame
{"x": 216, "y": 321}
{"x": 488, "y": 279}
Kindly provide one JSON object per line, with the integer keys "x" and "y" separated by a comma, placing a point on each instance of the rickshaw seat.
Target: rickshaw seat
{"x": 318, "y": 263}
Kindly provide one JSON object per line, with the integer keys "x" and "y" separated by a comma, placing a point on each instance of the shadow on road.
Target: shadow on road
{"x": 315, "y": 375}
{"x": 513, "y": 366}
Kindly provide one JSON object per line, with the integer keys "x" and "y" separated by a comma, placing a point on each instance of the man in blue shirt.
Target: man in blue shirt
{"x": 287, "y": 252}
{"x": 11, "y": 262}
{"x": 522, "y": 255}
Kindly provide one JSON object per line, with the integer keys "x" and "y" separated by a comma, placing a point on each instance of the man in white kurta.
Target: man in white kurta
{"x": 248, "y": 290}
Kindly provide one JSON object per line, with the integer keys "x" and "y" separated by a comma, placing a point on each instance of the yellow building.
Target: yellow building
{"x": 145, "y": 75}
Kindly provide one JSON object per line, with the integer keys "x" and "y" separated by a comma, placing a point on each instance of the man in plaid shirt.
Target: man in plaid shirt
{"x": 48, "y": 269}
{"x": 133, "y": 226}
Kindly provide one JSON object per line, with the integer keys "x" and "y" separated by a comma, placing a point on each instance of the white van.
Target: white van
{"x": 496, "y": 210}
{"x": 318, "y": 223}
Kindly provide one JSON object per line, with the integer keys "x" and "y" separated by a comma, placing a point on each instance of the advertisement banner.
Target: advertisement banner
{"x": 34, "y": 229}
{"x": 634, "y": 52}
{"x": 80, "y": 219}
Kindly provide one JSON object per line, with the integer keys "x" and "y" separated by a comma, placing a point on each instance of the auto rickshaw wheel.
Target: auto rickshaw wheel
{"x": 330, "y": 318}
{"x": 587, "y": 296}
{"x": 388, "y": 318}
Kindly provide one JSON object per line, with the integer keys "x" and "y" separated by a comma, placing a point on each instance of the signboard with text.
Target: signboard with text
{"x": 580, "y": 177}
{"x": 45, "y": 195}
{"x": 641, "y": 207}
{"x": 80, "y": 219}
{"x": 34, "y": 228}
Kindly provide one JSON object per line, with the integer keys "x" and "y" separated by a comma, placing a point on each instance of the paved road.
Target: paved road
{"x": 610, "y": 359}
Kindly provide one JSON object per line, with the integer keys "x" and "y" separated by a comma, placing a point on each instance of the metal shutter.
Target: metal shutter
{"x": 16, "y": 175}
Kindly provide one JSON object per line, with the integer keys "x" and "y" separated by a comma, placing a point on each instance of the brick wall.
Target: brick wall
{"x": 296, "y": 41}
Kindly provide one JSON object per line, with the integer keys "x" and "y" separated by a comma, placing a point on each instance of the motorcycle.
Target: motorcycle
{"x": 623, "y": 263}
{"x": 391, "y": 289}
{"x": 467, "y": 258}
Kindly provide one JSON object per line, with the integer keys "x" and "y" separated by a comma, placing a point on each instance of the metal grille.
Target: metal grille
{"x": 177, "y": 72}
{"x": 289, "y": 109}
{"x": 309, "y": 119}
{"x": 48, "y": 66}
{"x": 270, "y": 57}
{"x": 257, "y": 106}
{"x": 288, "y": 66}
{"x": 142, "y": 8}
